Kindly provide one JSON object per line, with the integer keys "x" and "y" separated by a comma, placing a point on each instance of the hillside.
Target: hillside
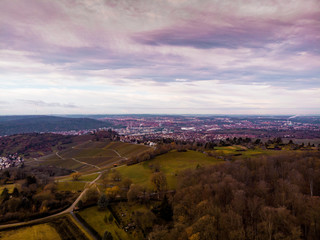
{"x": 170, "y": 164}
{"x": 40, "y": 144}
{"x": 26, "y": 124}
{"x": 31, "y": 144}
{"x": 92, "y": 155}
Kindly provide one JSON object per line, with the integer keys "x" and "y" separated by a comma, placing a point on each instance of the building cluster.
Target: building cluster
{"x": 11, "y": 161}
{"x": 76, "y": 132}
{"x": 199, "y": 128}
{"x": 80, "y": 132}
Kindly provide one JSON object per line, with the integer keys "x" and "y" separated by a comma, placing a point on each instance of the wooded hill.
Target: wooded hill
{"x": 27, "y": 124}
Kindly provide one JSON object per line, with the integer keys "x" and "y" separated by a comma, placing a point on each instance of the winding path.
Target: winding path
{"x": 68, "y": 210}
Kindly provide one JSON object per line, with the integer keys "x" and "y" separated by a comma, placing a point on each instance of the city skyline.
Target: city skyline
{"x": 159, "y": 57}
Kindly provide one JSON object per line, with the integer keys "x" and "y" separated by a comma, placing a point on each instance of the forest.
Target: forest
{"x": 264, "y": 198}
{"x": 36, "y": 196}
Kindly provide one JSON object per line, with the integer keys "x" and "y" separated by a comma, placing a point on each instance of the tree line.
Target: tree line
{"x": 165, "y": 145}
{"x": 35, "y": 194}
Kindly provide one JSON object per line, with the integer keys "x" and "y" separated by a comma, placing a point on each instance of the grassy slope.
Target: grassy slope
{"x": 237, "y": 150}
{"x": 71, "y": 186}
{"x": 68, "y": 163}
{"x": 65, "y": 225}
{"x": 95, "y": 219}
{"x": 81, "y": 228}
{"x": 36, "y": 232}
{"x": 170, "y": 163}
{"x": 230, "y": 150}
{"x": 88, "y": 177}
{"x": 10, "y": 187}
{"x": 127, "y": 149}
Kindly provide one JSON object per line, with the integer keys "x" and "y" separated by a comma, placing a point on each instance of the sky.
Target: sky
{"x": 159, "y": 57}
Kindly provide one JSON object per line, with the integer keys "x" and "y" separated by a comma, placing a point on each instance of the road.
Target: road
{"x": 68, "y": 210}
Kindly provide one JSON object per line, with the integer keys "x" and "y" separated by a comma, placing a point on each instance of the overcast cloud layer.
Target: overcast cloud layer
{"x": 170, "y": 56}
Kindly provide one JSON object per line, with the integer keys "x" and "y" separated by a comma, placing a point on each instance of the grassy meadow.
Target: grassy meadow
{"x": 72, "y": 186}
{"x": 10, "y": 187}
{"x": 96, "y": 219}
{"x": 60, "y": 228}
{"x": 83, "y": 178}
{"x": 36, "y": 232}
{"x": 170, "y": 164}
{"x": 240, "y": 150}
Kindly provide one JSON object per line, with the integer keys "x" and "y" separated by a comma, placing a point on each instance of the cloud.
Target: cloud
{"x": 230, "y": 28}
{"x": 175, "y": 98}
{"x": 204, "y": 35}
{"x": 116, "y": 53}
{"x": 41, "y": 103}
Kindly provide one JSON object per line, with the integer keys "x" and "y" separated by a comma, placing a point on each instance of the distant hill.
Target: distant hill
{"x": 32, "y": 144}
{"x": 27, "y": 124}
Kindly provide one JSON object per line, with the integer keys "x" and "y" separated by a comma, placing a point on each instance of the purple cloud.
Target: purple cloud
{"x": 121, "y": 44}
{"x": 237, "y": 33}
{"x": 203, "y": 35}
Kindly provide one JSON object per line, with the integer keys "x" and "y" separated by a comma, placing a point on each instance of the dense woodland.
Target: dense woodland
{"x": 37, "y": 195}
{"x": 263, "y": 198}
{"x": 29, "y": 145}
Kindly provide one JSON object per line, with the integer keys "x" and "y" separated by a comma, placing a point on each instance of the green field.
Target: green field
{"x": 72, "y": 186}
{"x": 80, "y": 227}
{"x": 83, "y": 178}
{"x": 10, "y": 187}
{"x": 92, "y": 144}
{"x": 36, "y": 232}
{"x": 170, "y": 163}
{"x": 127, "y": 149}
{"x": 63, "y": 227}
{"x": 95, "y": 219}
{"x": 242, "y": 152}
{"x": 89, "y": 177}
{"x": 88, "y": 152}
{"x": 234, "y": 150}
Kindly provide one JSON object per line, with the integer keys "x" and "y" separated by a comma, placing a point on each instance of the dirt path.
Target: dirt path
{"x": 84, "y": 163}
{"x": 118, "y": 154}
